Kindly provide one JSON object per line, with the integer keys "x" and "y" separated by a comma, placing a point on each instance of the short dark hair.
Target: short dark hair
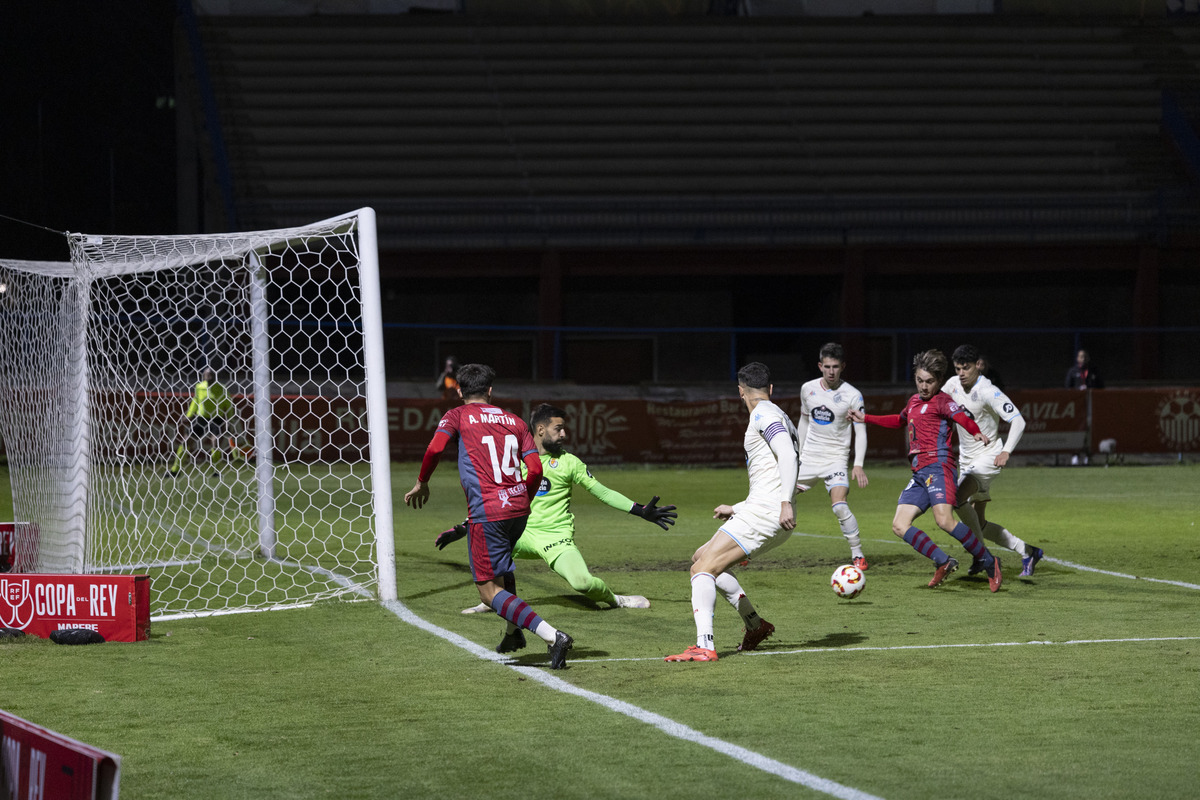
{"x": 933, "y": 362}
{"x": 966, "y": 354}
{"x": 754, "y": 375}
{"x": 475, "y": 379}
{"x": 832, "y": 350}
{"x": 543, "y": 414}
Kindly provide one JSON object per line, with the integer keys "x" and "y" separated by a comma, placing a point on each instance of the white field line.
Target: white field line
{"x": 1059, "y": 561}
{"x": 341, "y": 580}
{"x": 805, "y": 650}
{"x": 664, "y": 724}
{"x": 227, "y": 612}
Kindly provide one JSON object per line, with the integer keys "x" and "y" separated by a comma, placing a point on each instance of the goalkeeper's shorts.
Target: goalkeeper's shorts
{"x": 208, "y": 426}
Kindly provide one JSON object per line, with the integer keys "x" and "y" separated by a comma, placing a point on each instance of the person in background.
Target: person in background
{"x": 207, "y": 418}
{"x": 447, "y": 382}
{"x": 1082, "y": 375}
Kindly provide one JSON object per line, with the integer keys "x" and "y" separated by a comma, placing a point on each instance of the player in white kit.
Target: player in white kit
{"x": 761, "y": 522}
{"x": 824, "y": 429}
{"x": 979, "y": 464}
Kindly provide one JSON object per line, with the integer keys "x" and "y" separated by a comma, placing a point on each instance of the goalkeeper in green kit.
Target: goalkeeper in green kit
{"x": 207, "y": 418}
{"x": 550, "y": 533}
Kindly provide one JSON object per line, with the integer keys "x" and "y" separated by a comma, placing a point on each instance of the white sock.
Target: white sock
{"x": 966, "y": 512}
{"x": 704, "y": 598}
{"x": 849, "y": 525}
{"x": 1003, "y": 537}
{"x": 729, "y": 586}
{"x": 546, "y": 632}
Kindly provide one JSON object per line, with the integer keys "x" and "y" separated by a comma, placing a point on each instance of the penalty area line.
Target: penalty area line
{"x": 666, "y": 725}
{"x": 1034, "y": 642}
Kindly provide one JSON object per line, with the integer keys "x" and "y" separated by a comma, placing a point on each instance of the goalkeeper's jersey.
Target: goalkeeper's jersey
{"x": 210, "y": 400}
{"x": 550, "y": 511}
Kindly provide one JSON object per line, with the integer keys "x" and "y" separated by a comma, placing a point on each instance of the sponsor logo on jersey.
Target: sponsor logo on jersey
{"x": 822, "y": 415}
{"x": 553, "y": 464}
{"x": 511, "y": 491}
{"x": 543, "y": 487}
{"x": 1009, "y": 408}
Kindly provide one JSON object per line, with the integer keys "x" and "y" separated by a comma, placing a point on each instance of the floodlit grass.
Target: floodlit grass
{"x": 905, "y": 692}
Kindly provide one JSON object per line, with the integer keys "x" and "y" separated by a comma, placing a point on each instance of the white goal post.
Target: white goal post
{"x": 271, "y": 488}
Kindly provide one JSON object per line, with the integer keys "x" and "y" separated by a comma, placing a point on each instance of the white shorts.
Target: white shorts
{"x": 834, "y": 473}
{"x": 755, "y": 529}
{"x": 983, "y": 470}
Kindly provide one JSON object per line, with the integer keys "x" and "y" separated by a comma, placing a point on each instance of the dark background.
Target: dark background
{"x": 89, "y": 145}
{"x": 88, "y": 135}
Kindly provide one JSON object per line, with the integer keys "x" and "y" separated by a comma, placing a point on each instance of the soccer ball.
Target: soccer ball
{"x": 848, "y": 581}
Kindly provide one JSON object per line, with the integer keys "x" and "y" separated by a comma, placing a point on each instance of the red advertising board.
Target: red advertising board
{"x": 1147, "y": 420}
{"x": 604, "y": 431}
{"x": 116, "y": 606}
{"x": 18, "y": 546}
{"x": 1056, "y": 420}
{"x": 39, "y": 764}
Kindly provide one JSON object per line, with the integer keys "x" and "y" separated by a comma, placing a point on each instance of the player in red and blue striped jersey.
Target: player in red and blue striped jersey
{"x": 492, "y": 445}
{"x": 931, "y": 417}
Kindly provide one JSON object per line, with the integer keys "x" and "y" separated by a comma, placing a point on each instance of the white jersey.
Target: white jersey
{"x": 771, "y": 455}
{"x": 987, "y": 405}
{"x": 826, "y": 426}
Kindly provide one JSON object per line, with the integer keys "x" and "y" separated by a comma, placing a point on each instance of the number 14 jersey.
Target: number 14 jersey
{"x": 492, "y": 445}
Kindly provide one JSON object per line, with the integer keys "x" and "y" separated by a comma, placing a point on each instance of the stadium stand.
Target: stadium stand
{"x": 644, "y": 130}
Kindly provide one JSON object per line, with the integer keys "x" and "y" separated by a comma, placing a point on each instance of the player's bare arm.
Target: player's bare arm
{"x": 860, "y": 476}
{"x": 417, "y": 495}
{"x": 787, "y": 516}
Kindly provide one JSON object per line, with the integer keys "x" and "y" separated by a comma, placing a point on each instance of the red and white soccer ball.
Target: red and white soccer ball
{"x": 848, "y": 581}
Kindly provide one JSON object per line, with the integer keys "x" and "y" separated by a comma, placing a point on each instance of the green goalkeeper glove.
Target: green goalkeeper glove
{"x": 662, "y": 516}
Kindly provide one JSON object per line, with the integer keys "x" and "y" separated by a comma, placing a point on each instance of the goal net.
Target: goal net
{"x": 207, "y": 410}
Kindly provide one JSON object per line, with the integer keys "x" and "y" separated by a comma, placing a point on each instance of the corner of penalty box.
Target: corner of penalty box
{"x": 115, "y": 606}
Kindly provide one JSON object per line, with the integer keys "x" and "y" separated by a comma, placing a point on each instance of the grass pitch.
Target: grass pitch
{"x": 1083, "y": 681}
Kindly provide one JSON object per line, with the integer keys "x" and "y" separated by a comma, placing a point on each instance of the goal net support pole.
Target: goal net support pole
{"x": 381, "y": 457}
{"x": 264, "y": 436}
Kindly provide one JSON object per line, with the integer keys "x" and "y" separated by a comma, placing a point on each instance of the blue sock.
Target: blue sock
{"x": 970, "y": 541}
{"x": 925, "y": 546}
{"x": 514, "y": 609}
